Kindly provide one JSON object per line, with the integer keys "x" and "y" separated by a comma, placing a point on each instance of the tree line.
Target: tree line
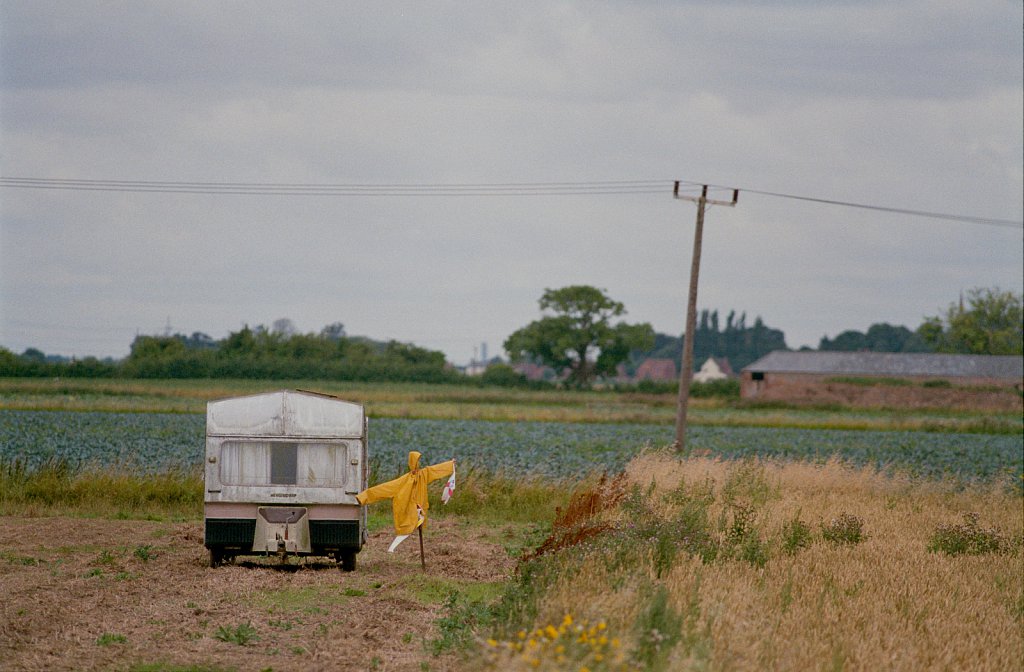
{"x": 735, "y": 340}
{"x": 579, "y": 336}
{"x": 257, "y": 353}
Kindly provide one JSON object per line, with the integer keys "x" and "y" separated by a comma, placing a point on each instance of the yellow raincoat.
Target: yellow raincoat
{"x": 407, "y": 492}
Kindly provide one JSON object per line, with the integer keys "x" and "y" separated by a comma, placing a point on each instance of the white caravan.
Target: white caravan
{"x": 282, "y": 473}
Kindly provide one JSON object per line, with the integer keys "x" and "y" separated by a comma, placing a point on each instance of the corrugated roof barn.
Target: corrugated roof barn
{"x": 1010, "y": 368}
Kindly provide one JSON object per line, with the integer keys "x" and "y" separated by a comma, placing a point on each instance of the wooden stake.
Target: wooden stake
{"x": 423, "y": 558}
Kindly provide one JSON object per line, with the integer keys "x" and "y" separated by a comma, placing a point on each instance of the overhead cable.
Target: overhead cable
{"x": 881, "y": 208}
{"x": 292, "y": 189}
{"x": 483, "y": 189}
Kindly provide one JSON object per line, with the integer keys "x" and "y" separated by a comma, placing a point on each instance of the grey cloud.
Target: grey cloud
{"x": 913, "y": 105}
{"x": 559, "y": 50}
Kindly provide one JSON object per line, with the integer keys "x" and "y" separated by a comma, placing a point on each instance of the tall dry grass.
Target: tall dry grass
{"x": 749, "y": 597}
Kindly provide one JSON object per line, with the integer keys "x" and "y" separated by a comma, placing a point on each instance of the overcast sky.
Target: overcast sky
{"x": 913, "y": 104}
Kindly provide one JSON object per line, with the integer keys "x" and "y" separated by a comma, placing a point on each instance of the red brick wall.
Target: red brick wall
{"x": 996, "y": 394}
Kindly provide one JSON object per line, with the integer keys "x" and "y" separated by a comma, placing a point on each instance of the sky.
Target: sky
{"x": 915, "y": 105}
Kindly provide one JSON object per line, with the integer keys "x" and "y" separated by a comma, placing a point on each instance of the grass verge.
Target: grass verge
{"x": 57, "y": 489}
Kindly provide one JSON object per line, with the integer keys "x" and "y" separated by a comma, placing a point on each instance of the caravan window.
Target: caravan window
{"x": 284, "y": 463}
{"x": 308, "y": 465}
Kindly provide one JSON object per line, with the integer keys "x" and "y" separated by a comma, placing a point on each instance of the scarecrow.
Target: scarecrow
{"x": 408, "y": 495}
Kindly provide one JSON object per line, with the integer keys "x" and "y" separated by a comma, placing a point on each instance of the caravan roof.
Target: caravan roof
{"x": 290, "y": 413}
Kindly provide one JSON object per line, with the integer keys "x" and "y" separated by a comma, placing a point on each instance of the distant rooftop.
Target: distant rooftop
{"x": 891, "y": 364}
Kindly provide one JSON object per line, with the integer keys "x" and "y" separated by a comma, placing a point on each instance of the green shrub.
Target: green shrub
{"x": 845, "y": 528}
{"x": 503, "y": 375}
{"x": 742, "y": 540}
{"x": 966, "y": 538}
{"x": 796, "y": 534}
{"x": 728, "y": 388}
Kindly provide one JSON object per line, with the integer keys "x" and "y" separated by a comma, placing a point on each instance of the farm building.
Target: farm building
{"x": 788, "y": 375}
{"x": 663, "y": 370}
{"x": 533, "y": 371}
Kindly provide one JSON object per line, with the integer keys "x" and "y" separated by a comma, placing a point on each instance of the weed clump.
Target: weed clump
{"x": 144, "y": 552}
{"x": 108, "y": 638}
{"x": 845, "y": 528}
{"x": 796, "y": 535}
{"x": 967, "y": 538}
{"x": 242, "y": 634}
{"x": 742, "y": 539}
{"x": 457, "y": 626}
{"x": 660, "y": 628}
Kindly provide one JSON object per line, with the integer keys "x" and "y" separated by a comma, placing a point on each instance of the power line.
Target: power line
{"x": 309, "y": 189}
{"x": 483, "y": 189}
{"x": 880, "y": 208}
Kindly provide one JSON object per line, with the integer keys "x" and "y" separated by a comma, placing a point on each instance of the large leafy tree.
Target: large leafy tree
{"x": 578, "y": 336}
{"x": 992, "y": 323}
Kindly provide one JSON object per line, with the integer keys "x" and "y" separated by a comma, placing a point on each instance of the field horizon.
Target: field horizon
{"x": 449, "y": 402}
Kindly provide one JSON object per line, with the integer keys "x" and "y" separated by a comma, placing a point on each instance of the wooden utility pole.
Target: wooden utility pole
{"x": 686, "y": 368}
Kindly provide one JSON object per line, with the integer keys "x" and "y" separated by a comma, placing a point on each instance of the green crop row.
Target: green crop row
{"x": 158, "y": 442}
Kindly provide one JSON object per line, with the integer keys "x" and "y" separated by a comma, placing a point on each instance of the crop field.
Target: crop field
{"x": 850, "y": 547}
{"x": 447, "y": 402}
{"x": 159, "y": 442}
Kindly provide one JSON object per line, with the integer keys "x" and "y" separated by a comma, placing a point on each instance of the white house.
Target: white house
{"x": 713, "y": 369}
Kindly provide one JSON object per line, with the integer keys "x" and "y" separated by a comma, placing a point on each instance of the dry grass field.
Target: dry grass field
{"x": 702, "y": 564}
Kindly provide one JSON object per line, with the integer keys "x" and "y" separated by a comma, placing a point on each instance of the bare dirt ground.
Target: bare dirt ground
{"x": 895, "y": 397}
{"x": 86, "y": 594}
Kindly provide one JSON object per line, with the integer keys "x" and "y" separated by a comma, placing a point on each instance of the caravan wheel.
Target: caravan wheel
{"x": 216, "y": 557}
{"x": 347, "y": 561}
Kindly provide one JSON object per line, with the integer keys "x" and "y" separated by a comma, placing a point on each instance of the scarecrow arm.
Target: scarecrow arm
{"x": 382, "y": 491}
{"x": 439, "y": 470}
